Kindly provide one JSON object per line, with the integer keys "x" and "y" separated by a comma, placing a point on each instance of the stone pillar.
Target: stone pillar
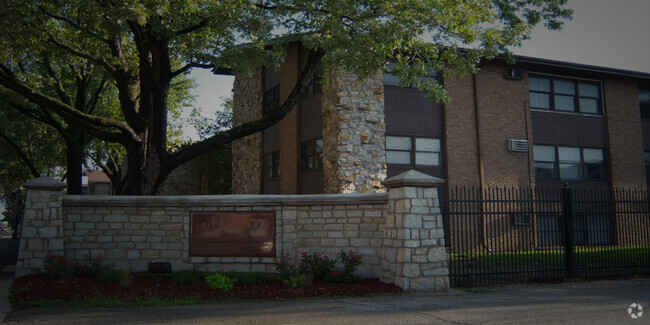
{"x": 42, "y": 225}
{"x": 354, "y": 156}
{"x": 413, "y": 252}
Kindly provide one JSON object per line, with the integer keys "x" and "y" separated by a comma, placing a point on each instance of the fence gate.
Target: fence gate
{"x": 517, "y": 235}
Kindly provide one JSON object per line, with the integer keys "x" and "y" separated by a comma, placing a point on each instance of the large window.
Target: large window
{"x": 272, "y": 164}
{"x": 564, "y": 95}
{"x": 569, "y": 163}
{"x": 413, "y": 151}
{"x": 271, "y": 99}
{"x": 393, "y": 80}
{"x": 311, "y": 155}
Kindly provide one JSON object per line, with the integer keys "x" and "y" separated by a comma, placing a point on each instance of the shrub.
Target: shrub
{"x": 187, "y": 277}
{"x": 90, "y": 268}
{"x": 299, "y": 280}
{"x": 109, "y": 275}
{"x": 55, "y": 267}
{"x": 220, "y": 282}
{"x": 320, "y": 267}
{"x": 126, "y": 279}
{"x": 251, "y": 277}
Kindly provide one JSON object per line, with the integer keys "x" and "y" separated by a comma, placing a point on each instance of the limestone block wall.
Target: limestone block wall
{"x": 131, "y": 231}
{"x": 246, "y": 152}
{"x": 354, "y": 157}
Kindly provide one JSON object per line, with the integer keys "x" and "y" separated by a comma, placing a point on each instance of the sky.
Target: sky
{"x": 608, "y": 33}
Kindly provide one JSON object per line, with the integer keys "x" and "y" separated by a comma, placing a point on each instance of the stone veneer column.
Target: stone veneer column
{"x": 354, "y": 156}
{"x": 413, "y": 252}
{"x": 42, "y": 225}
{"x": 247, "y": 152}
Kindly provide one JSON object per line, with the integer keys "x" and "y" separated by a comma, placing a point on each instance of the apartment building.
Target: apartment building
{"x": 538, "y": 123}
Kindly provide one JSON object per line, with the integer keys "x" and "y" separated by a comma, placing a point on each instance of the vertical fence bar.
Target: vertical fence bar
{"x": 568, "y": 232}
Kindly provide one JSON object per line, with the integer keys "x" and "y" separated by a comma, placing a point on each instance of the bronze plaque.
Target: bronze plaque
{"x": 232, "y": 234}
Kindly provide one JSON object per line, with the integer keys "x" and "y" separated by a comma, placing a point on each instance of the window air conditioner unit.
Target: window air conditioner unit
{"x": 517, "y": 145}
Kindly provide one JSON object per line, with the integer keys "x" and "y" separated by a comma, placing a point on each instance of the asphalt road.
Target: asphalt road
{"x": 604, "y": 302}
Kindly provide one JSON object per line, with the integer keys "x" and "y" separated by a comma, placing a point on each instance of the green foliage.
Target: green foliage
{"x": 247, "y": 278}
{"x": 187, "y": 277}
{"x": 109, "y": 275}
{"x": 90, "y": 267}
{"x": 57, "y": 45}
{"x": 14, "y": 206}
{"x": 220, "y": 282}
{"x": 320, "y": 267}
{"x": 55, "y": 267}
{"x": 299, "y": 280}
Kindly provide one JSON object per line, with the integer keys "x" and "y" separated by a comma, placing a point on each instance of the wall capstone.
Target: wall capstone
{"x": 413, "y": 251}
{"x": 42, "y": 225}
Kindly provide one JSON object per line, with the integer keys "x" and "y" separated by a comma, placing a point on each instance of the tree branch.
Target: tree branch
{"x": 189, "y": 152}
{"x": 21, "y": 154}
{"x": 82, "y": 55}
{"x": 87, "y": 122}
{"x": 190, "y": 66}
{"x": 59, "y": 86}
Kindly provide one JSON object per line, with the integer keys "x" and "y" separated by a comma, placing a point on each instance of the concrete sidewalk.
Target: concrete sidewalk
{"x": 604, "y": 302}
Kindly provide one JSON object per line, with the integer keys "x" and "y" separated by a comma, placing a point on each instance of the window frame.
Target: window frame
{"x": 554, "y": 94}
{"x": 557, "y": 172}
{"x": 314, "y": 155}
{"x": 272, "y": 158}
{"x": 413, "y": 151}
{"x": 433, "y": 75}
{"x": 271, "y": 100}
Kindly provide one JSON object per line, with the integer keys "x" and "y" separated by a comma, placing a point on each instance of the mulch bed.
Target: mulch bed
{"x": 32, "y": 288}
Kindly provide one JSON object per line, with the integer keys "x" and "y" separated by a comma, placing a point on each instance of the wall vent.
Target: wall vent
{"x": 517, "y": 145}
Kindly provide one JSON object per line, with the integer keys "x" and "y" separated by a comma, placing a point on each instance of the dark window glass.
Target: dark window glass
{"x": 570, "y": 163}
{"x": 272, "y": 164}
{"x": 564, "y": 95}
{"x": 311, "y": 155}
{"x": 413, "y": 151}
{"x": 271, "y": 99}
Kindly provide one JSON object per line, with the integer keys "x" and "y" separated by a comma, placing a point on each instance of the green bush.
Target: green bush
{"x": 109, "y": 275}
{"x": 187, "y": 277}
{"x": 247, "y": 278}
{"x": 299, "y": 280}
{"x": 55, "y": 267}
{"x": 321, "y": 268}
{"x": 90, "y": 268}
{"x": 220, "y": 282}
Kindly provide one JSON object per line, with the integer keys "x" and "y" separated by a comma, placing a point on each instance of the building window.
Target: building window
{"x": 311, "y": 155}
{"x": 271, "y": 99}
{"x": 569, "y": 163}
{"x": 564, "y": 95}
{"x": 272, "y": 164}
{"x": 413, "y": 151}
{"x": 393, "y": 80}
{"x": 647, "y": 166}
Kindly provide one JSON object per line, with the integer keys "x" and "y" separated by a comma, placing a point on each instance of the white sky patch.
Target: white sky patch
{"x": 211, "y": 91}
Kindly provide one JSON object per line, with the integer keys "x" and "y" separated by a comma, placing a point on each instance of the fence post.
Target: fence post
{"x": 568, "y": 232}
{"x": 413, "y": 250}
{"x": 42, "y": 226}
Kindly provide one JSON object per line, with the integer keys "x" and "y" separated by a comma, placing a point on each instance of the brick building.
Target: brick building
{"x": 538, "y": 123}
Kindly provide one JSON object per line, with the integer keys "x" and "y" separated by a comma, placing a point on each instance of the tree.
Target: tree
{"x": 28, "y": 148}
{"x": 144, "y": 45}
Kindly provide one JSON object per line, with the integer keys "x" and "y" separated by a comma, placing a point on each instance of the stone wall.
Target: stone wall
{"x": 131, "y": 231}
{"x": 246, "y": 152}
{"x": 354, "y": 157}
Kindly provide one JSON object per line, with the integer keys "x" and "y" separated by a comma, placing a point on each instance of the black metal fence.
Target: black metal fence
{"x": 516, "y": 235}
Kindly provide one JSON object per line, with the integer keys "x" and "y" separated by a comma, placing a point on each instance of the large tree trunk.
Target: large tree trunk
{"x": 74, "y": 159}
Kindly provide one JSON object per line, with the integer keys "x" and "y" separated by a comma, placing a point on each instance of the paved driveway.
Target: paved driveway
{"x": 574, "y": 303}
